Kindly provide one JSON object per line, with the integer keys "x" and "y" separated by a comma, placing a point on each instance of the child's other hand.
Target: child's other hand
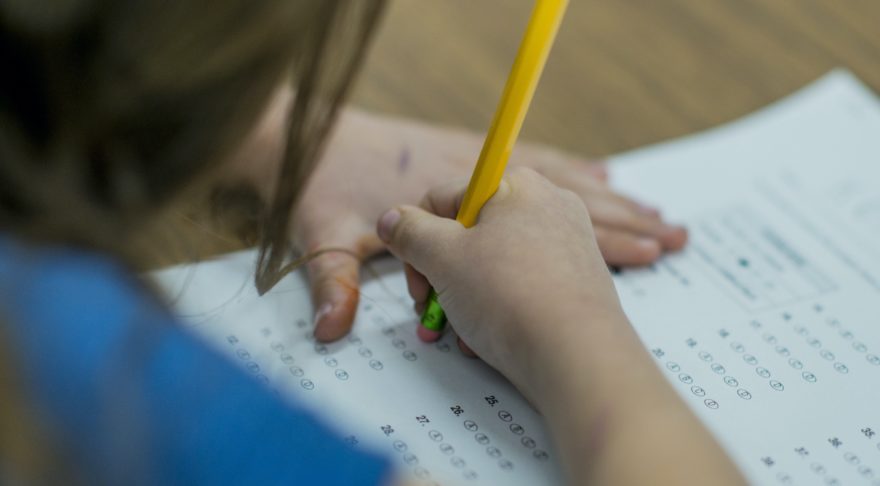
{"x": 526, "y": 277}
{"x": 374, "y": 162}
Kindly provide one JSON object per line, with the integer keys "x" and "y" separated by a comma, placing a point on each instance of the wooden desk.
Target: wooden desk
{"x": 624, "y": 73}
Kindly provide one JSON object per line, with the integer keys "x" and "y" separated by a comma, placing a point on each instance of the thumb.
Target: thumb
{"x": 418, "y": 237}
{"x": 334, "y": 278}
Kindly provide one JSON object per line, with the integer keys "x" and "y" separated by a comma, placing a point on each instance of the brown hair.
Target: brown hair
{"x": 110, "y": 109}
{"x": 313, "y": 110}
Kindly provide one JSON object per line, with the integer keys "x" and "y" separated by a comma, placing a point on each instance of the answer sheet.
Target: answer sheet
{"x": 766, "y": 324}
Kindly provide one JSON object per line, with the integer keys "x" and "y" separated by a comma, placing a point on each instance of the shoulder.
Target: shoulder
{"x": 57, "y": 283}
{"x": 110, "y": 367}
{"x": 69, "y": 314}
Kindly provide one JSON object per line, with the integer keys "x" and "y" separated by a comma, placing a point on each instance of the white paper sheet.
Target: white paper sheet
{"x": 441, "y": 415}
{"x": 767, "y": 324}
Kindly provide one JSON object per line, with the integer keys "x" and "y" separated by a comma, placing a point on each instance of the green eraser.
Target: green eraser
{"x": 433, "y": 318}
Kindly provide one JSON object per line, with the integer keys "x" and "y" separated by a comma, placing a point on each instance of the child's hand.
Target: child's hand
{"x": 374, "y": 162}
{"x": 527, "y": 276}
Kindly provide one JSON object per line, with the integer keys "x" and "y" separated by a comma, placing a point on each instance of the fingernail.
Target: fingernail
{"x": 386, "y": 224}
{"x": 674, "y": 229}
{"x": 649, "y": 244}
{"x": 647, "y": 210}
{"x": 427, "y": 335}
{"x": 325, "y": 309}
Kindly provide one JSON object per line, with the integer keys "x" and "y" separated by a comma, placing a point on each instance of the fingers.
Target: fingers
{"x": 598, "y": 170}
{"x": 427, "y": 335}
{"x": 444, "y": 200}
{"x": 334, "y": 279}
{"x": 419, "y": 290}
{"x": 623, "y": 214}
{"x": 624, "y": 248}
{"x": 417, "y": 284}
{"x": 614, "y": 211}
{"x": 466, "y": 350}
{"x": 412, "y": 233}
{"x": 421, "y": 240}
{"x": 418, "y": 237}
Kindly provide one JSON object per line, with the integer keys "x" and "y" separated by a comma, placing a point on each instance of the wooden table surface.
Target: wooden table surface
{"x": 623, "y": 73}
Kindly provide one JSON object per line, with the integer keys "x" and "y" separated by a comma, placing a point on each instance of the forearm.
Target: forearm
{"x": 616, "y": 420}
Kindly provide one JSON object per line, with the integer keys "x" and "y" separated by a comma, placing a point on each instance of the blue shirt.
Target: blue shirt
{"x": 132, "y": 397}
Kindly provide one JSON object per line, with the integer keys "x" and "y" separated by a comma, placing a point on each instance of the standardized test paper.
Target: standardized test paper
{"x": 767, "y": 323}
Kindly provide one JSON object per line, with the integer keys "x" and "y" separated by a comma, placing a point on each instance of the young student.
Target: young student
{"x": 110, "y": 112}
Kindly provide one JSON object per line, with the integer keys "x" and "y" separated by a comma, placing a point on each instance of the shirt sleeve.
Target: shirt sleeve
{"x": 135, "y": 398}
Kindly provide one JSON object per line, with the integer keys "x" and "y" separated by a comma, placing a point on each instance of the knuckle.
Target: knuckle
{"x": 524, "y": 175}
{"x": 427, "y": 200}
{"x": 521, "y": 171}
{"x": 640, "y": 223}
{"x": 574, "y": 204}
{"x": 528, "y": 181}
{"x": 570, "y": 196}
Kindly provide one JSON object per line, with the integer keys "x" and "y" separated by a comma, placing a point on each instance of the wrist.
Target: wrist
{"x": 589, "y": 379}
{"x": 584, "y": 360}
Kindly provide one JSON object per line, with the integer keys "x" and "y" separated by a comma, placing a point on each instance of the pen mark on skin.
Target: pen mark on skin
{"x": 403, "y": 161}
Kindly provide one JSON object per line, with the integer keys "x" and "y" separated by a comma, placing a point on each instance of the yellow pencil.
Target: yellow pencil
{"x": 524, "y": 75}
